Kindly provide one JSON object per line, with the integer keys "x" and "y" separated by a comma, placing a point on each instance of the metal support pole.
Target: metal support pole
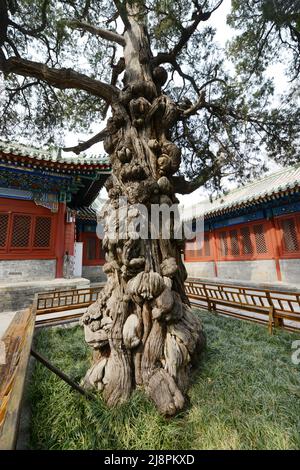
{"x": 59, "y": 373}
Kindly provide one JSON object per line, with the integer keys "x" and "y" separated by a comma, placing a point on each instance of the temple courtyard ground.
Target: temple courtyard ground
{"x": 245, "y": 394}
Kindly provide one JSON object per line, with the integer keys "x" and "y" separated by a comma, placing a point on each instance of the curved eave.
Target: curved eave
{"x": 247, "y": 203}
{"x": 86, "y": 214}
{"x": 58, "y": 166}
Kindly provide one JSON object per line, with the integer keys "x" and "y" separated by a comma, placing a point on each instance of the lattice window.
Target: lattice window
{"x": 246, "y": 241}
{"x": 206, "y": 245}
{"x": 224, "y": 244}
{"x": 3, "y": 229}
{"x": 234, "y": 243}
{"x": 290, "y": 235}
{"x": 93, "y": 253}
{"x": 260, "y": 241}
{"x": 189, "y": 248}
{"x": 42, "y": 232}
{"x": 21, "y": 231}
{"x": 199, "y": 247}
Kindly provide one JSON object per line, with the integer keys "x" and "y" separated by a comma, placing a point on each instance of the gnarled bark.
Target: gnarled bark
{"x": 141, "y": 327}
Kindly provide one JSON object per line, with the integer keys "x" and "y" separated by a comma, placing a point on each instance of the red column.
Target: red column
{"x": 60, "y": 240}
{"x": 215, "y": 251}
{"x": 70, "y": 238}
{"x": 275, "y": 245}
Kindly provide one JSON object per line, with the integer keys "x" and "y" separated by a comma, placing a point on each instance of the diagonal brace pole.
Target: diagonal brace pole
{"x": 59, "y": 373}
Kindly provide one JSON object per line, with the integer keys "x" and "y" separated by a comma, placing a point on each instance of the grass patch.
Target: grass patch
{"x": 245, "y": 395}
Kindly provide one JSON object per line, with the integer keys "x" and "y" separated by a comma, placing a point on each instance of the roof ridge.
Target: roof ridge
{"x": 53, "y": 153}
{"x": 261, "y": 179}
{"x": 249, "y": 184}
{"x": 287, "y": 178}
{"x": 20, "y": 144}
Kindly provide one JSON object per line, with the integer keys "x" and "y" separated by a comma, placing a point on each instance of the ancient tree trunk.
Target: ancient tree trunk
{"x": 141, "y": 328}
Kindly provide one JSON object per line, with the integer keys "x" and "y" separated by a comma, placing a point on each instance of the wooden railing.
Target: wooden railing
{"x": 274, "y": 307}
{"x": 63, "y": 301}
{"x": 271, "y": 306}
{"x": 17, "y": 343}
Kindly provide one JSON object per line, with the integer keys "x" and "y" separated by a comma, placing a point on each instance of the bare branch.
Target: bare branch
{"x": 215, "y": 79}
{"x": 88, "y": 143}
{"x": 103, "y": 33}
{"x": 217, "y": 6}
{"x": 60, "y": 78}
{"x": 182, "y": 186}
{"x": 196, "y": 106}
{"x": 188, "y": 32}
{"x": 201, "y": 103}
{"x": 170, "y": 58}
{"x": 11, "y": 44}
{"x": 22, "y": 87}
{"x": 198, "y": 16}
{"x": 185, "y": 76}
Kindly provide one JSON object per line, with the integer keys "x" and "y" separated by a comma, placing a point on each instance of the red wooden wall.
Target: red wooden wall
{"x": 70, "y": 238}
{"x": 93, "y": 254}
{"x": 278, "y": 238}
{"x": 29, "y": 231}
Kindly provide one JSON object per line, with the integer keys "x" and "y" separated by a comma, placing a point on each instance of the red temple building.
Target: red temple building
{"x": 40, "y": 197}
{"x": 48, "y": 228}
{"x": 250, "y": 234}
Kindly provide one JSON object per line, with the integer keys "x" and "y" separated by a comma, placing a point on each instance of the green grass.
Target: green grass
{"x": 245, "y": 395}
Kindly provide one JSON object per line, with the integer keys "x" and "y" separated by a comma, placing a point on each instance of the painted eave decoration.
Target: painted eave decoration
{"x": 32, "y": 157}
{"x": 30, "y": 168}
{"x": 86, "y": 214}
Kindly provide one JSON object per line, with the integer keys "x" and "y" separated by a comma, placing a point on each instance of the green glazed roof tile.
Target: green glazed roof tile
{"x": 271, "y": 185}
{"x": 16, "y": 148}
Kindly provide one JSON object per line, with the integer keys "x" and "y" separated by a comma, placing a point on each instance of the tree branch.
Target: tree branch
{"x": 88, "y": 143}
{"x": 260, "y": 50}
{"x": 185, "y": 75}
{"x": 121, "y": 8}
{"x": 196, "y": 106}
{"x": 201, "y": 103}
{"x": 188, "y": 32}
{"x": 103, "y": 33}
{"x": 60, "y": 78}
{"x": 22, "y": 87}
{"x": 182, "y": 186}
{"x": 198, "y": 16}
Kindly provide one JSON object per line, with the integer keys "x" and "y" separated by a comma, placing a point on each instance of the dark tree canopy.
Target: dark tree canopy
{"x": 62, "y": 65}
